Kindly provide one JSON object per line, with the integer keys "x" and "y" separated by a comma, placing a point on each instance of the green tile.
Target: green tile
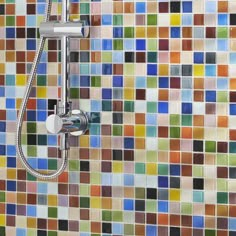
{"x": 140, "y": 168}
{"x": 163, "y": 145}
{"x": 152, "y": 57}
{"x": 106, "y": 105}
{"x": 222, "y": 198}
{"x": 152, "y": 19}
{"x": 129, "y": 106}
{"x": 186, "y": 208}
{"x": 95, "y": 178}
{"x": 222, "y": 159}
{"x": 84, "y": 8}
{"x": 163, "y": 169}
{"x": 198, "y": 196}
{"x": 210, "y": 146}
{"x": 151, "y": 107}
{"x": 106, "y": 57}
{"x": 52, "y": 164}
{"x": 96, "y": 81}
{"x": 222, "y": 96}
{"x": 30, "y": 177}
{"x": 94, "y": 129}
{"x": 210, "y": 232}
{"x": 84, "y": 202}
{"x": 52, "y": 233}
{"x": 129, "y": 32}
{"x": 84, "y": 226}
{"x": 31, "y": 151}
{"x": 41, "y": 80}
{"x": 118, "y": 44}
{"x": 174, "y": 119}
{"x": 2, "y": 231}
{"x": 140, "y": 193}
{"x": 117, "y": 216}
{"x": 117, "y": 130}
{"x": 197, "y": 171}
{"x": 152, "y": 44}
{"x": 74, "y": 165}
{"x": 84, "y": 190}
{"x": 52, "y": 212}
{"x": 151, "y": 131}
{"x": 10, "y": 20}
{"x": 232, "y": 160}
{"x": 117, "y": 19}
{"x": 174, "y": 132}
{"x": 106, "y": 216}
{"x": 31, "y": 128}
{"x": 151, "y": 206}
{"x": 187, "y": 120}
{"x": 222, "y": 185}
{"x": 2, "y": 197}
{"x": 129, "y": 229}
{"x": 152, "y": 156}
{"x": 151, "y": 82}
{"x": 74, "y": 93}
{"x": 222, "y": 32}
{"x": 42, "y": 140}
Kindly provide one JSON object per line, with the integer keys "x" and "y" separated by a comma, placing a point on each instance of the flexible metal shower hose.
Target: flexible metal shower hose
{"x": 32, "y": 171}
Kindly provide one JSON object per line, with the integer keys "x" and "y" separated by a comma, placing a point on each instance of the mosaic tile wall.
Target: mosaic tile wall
{"x": 159, "y": 78}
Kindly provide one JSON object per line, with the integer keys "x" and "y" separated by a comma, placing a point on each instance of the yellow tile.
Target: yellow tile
{"x": 2, "y": 220}
{"x": 11, "y": 173}
{"x": 129, "y": 82}
{"x": 129, "y": 94}
{"x": 41, "y": 92}
{"x": 52, "y": 200}
{"x": 21, "y": 80}
{"x": 18, "y": 103}
{"x": 2, "y": 161}
{"x": 2, "y": 68}
{"x": 152, "y": 32}
{"x": 151, "y": 168}
{"x": 140, "y": 131}
{"x": 95, "y": 202}
{"x": 140, "y": 32}
{"x": 117, "y": 167}
{"x": 174, "y": 195}
{"x": 164, "y": 69}
{"x": 175, "y": 19}
{"x": 199, "y": 70}
{"x": 84, "y": 141}
{"x": 32, "y": 223}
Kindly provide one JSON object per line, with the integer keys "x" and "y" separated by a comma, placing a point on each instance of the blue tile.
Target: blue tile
{"x": 163, "y": 182}
{"x": 117, "y": 81}
{"x": 198, "y": 57}
{"x": 41, "y": 104}
{"x": 140, "y": 7}
{"x": 198, "y": 221}
{"x": 163, "y": 82}
{"x": 128, "y": 180}
{"x": 84, "y": 81}
{"x": 11, "y": 185}
{"x": 106, "y": 93}
{"x": 232, "y": 109}
{"x": 152, "y": 69}
{"x": 128, "y": 143}
{"x": 187, "y": 108}
{"x": 210, "y": 96}
{"x": 223, "y": 19}
{"x": 175, "y": 32}
{"x": 42, "y": 164}
{"x": 31, "y": 44}
{"x": 10, "y": 32}
{"x": 117, "y": 32}
{"x": 128, "y": 205}
{"x": 95, "y": 141}
{"x": 151, "y": 230}
{"x": 31, "y": 211}
{"x": 175, "y": 170}
{"x": 163, "y": 107}
{"x": 140, "y": 44}
{"x": 106, "y": 19}
{"x": 41, "y": 115}
{"x": 2, "y": 126}
{"x": 11, "y": 209}
{"x": 187, "y": 6}
{"x": 107, "y": 44}
{"x": 10, "y": 103}
{"x": 162, "y": 207}
{"x": 107, "y": 69}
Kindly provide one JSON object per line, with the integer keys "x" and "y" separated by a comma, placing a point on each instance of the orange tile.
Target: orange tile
{"x": 174, "y": 157}
{"x": 174, "y": 144}
{"x": 232, "y": 134}
{"x": 163, "y": 95}
{"x": 20, "y": 20}
{"x": 140, "y": 143}
{"x": 118, "y": 7}
{"x": 232, "y": 83}
{"x": 233, "y": 32}
{"x": 186, "y": 157}
{"x": 96, "y": 56}
{"x": 198, "y": 120}
{"x": 10, "y": 9}
{"x": 232, "y": 211}
{"x": 186, "y": 132}
{"x": 129, "y": 7}
{"x": 140, "y": 118}
{"x": 106, "y": 203}
{"x": 187, "y": 32}
{"x": 96, "y": 227}
{"x": 175, "y": 57}
{"x": 199, "y": 83}
{"x": 222, "y": 6}
{"x": 95, "y": 190}
{"x": 31, "y": 104}
{"x": 128, "y": 130}
{"x": 222, "y": 70}
{"x": 63, "y": 178}
{"x": 210, "y": 210}
{"x": 163, "y": 219}
{"x": 164, "y": 32}
{"x": 52, "y": 224}
{"x": 222, "y": 121}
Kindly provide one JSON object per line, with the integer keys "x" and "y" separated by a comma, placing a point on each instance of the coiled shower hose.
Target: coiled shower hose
{"x": 32, "y": 171}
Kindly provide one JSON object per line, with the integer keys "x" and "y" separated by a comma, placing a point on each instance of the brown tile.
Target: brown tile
{"x": 210, "y": 32}
{"x": 129, "y": 7}
{"x": 84, "y": 93}
{"x": 42, "y": 223}
{"x": 222, "y": 6}
{"x": 139, "y": 230}
{"x": 84, "y": 153}
{"x": 96, "y": 227}
{"x": 74, "y": 226}
{"x": 118, "y": 69}
{"x": 84, "y": 214}
{"x": 198, "y": 96}
{"x": 151, "y": 218}
{"x": 52, "y": 56}
{"x": 163, "y": 7}
{"x": 52, "y": 224}
{"x": 198, "y": 120}
{"x": 232, "y": 211}
{"x": 128, "y": 155}
{"x": 20, "y": 68}
{"x": 106, "y": 129}
{"x": 118, "y": 7}
{"x": 187, "y": 32}
{"x": 140, "y": 118}
{"x": 186, "y": 170}
{"x": 31, "y": 9}
{"x": 85, "y": 178}
{"x": 186, "y": 231}
{"x": 222, "y": 147}
{"x": 96, "y": 20}
{"x": 73, "y": 189}
{"x": 10, "y": 44}
{"x": 187, "y": 45}
{"x": 163, "y": 132}
{"x": 210, "y": 108}
{"x": 140, "y": 94}
{"x": 186, "y": 221}
{"x": 174, "y": 144}
{"x": 117, "y": 106}
{"x": 222, "y": 223}
{"x": 186, "y": 158}
{"x": 139, "y": 217}
{"x": 106, "y": 166}
{"x": 31, "y": 199}
{"x": 73, "y": 201}
{"x": 198, "y": 19}
{"x": 163, "y": 95}
{"x": 20, "y": 56}
{"x": 164, "y": 32}
{"x": 11, "y": 221}
{"x": 175, "y": 220}
{"x": 140, "y": 57}
{"x": 63, "y": 188}
{"x": 10, "y": 9}
{"x": 106, "y": 154}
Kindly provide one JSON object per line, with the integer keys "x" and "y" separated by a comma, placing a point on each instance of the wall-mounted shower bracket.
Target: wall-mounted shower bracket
{"x": 55, "y": 29}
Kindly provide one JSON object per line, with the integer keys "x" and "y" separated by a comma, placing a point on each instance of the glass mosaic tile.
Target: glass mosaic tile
{"x": 158, "y": 78}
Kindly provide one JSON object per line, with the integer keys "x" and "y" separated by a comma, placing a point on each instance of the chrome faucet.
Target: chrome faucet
{"x": 64, "y": 121}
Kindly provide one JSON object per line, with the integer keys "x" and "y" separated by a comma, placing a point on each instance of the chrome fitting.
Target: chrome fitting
{"x": 55, "y": 29}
